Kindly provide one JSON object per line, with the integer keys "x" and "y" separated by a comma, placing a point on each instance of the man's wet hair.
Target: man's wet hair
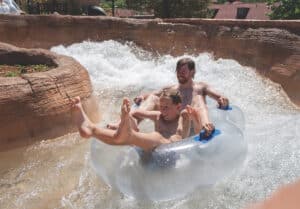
{"x": 186, "y": 61}
{"x": 174, "y": 95}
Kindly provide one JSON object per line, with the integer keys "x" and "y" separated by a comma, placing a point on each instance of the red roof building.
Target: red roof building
{"x": 124, "y": 12}
{"x": 240, "y": 10}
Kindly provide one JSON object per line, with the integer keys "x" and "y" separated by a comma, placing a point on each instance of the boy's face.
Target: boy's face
{"x": 169, "y": 111}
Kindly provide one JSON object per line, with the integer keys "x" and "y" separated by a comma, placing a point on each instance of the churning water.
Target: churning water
{"x": 57, "y": 173}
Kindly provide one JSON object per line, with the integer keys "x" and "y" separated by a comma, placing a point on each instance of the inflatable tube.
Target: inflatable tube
{"x": 173, "y": 170}
{"x": 232, "y": 114}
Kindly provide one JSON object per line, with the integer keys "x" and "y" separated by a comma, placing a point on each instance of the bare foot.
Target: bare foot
{"x": 193, "y": 113}
{"x": 115, "y": 126}
{"x": 124, "y": 130}
{"x": 85, "y": 126}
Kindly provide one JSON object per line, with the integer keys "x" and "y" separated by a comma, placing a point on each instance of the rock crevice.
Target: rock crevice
{"x": 36, "y": 105}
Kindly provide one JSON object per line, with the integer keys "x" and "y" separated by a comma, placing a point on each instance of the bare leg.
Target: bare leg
{"x": 151, "y": 103}
{"x": 84, "y": 125}
{"x": 124, "y": 135}
{"x": 184, "y": 126}
{"x": 124, "y": 131}
{"x": 148, "y": 141}
{"x": 194, "y": 114}
{"x": 199, "y": 104}
{"x": 88, "y": 129}
{"x": 115, "y": 126}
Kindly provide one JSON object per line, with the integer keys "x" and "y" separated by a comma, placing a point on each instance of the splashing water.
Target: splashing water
{"x": 9, "y": 7}
{"x": 57, "y": 172}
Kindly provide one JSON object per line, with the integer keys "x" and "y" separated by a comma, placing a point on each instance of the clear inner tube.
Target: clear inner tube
{"x": 174, "y": 170}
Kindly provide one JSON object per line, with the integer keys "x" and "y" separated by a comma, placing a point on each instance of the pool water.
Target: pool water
{"x": 57, "y": 173}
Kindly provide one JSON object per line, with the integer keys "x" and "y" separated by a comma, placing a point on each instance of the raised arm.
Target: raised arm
{"x": 211, "y": 92}
{"x": 145, "y": 114}
{"x": 142, "y": 97}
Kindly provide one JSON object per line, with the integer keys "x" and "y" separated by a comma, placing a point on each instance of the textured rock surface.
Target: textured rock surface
{"x": 35, "y": 106}
{"x": 272, "y": 47}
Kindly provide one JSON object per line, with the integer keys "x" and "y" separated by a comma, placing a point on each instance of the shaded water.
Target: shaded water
{"x": 57, "y": 173}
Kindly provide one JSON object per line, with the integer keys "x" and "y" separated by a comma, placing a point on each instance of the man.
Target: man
{"x": 171, "y": 124}
{"x": 193, "y": 93}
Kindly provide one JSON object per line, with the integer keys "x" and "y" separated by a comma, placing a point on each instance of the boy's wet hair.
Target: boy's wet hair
{"x": 186, "y": 61}
{"x": 174, "y": 95}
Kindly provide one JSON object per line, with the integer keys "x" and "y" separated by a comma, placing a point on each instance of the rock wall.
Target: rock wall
{"x": 272, "y": 47}
{"x": 35, "y": 106}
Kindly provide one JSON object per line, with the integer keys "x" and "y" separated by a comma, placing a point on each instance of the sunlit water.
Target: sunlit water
{"x": 9, "y": 7}
{"x": 57, "y": 173}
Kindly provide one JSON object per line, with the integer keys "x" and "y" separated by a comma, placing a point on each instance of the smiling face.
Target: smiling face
{"x": 170, "y": 104}
{"x": 169, "y": 110}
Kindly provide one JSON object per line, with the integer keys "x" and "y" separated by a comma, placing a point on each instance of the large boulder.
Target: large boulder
{"x": 35, "y": 106}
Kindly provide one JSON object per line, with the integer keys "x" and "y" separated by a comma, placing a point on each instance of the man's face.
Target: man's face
{"x": 184, "y": 74}
{"x": 169, "y": 111}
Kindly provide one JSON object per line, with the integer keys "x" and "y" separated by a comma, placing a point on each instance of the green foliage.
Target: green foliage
{"x": 17, "y": 70}
{"x": 11, "y": 74}
{"x": 74, "y": 7}
{"x": 284, "y": 9}
{"x": 211, "y": 13}
{"x": 106, "y": 5}
{"x": 179, "y": 8}
{"x": 39, "y": 68}
{"x": 221, "y": 1}
{"x": 139, "y": 5}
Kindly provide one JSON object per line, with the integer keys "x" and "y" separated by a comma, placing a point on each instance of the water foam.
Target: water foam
{"x": 117, "y": 70}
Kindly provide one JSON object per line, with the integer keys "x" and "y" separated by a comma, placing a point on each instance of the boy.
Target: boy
{"x": 171, "y": 124}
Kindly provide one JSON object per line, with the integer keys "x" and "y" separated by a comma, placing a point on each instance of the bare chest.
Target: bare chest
{"x": 166, "y": 128}
{"x": 188, "y": 94}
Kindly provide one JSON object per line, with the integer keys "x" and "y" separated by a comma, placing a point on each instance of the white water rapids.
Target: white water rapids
{"x": 9, "y": 7}
{"x": 57, "y": 173}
